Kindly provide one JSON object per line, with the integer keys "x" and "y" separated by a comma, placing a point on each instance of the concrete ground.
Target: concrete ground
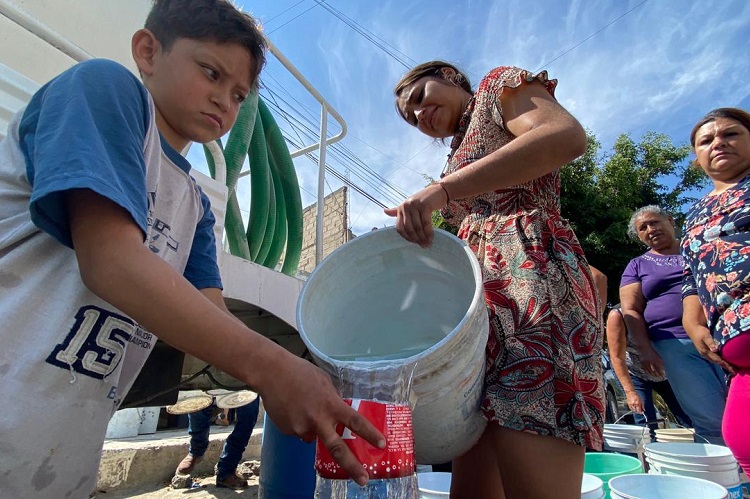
{"x": 145, "y": 464}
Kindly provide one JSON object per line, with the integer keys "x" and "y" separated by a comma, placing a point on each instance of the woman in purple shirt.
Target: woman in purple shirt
{"x": 651, "y": 297}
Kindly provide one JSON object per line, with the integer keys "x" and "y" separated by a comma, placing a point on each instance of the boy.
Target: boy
{"x": 105, "y": 239}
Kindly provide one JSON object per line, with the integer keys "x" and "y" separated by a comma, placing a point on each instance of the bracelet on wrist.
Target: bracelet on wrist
{"x": 447, "y": 195}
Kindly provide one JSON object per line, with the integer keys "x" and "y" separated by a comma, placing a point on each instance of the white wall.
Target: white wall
{"x": 101, "y": 27}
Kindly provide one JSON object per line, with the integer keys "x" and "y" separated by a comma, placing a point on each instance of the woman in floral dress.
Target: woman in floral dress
{"x": 543, "y": 386}
{"x": 716, "y": 250}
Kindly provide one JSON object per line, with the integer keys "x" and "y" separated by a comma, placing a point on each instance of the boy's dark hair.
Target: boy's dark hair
{"x": 212, "y": 20}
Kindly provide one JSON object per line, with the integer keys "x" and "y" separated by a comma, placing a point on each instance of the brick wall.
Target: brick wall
{"x": 335, "y": 228}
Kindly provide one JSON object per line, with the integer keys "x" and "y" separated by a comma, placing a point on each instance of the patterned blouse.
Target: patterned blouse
{"x": 716, "y": 249}
{"x": 544, "y": 371}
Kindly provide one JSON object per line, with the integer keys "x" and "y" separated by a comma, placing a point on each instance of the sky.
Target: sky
{"x": 622, "y": 67}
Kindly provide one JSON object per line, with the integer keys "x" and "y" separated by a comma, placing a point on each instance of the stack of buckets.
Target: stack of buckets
{"x": 714, "y": 463}
{"x": 625, "y": 438}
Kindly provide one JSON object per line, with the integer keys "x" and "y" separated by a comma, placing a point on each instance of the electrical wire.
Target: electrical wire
{"x": 546, "y": 64}
{"x": 387, "y": 48}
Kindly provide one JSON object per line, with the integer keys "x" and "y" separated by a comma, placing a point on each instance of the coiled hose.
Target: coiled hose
{"x": 275, "y": 225}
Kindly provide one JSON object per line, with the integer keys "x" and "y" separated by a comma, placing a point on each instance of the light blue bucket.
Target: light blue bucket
{"x": 645, "y": 486}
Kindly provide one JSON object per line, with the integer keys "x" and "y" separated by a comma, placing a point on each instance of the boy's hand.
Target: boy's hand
{"x": 302, "y": 401}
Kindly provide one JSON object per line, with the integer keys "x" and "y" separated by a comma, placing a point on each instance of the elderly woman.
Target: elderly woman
{"x": 543, "y": 394}
{"x": 716, "y": 288}
{"x": 651, "y": 299}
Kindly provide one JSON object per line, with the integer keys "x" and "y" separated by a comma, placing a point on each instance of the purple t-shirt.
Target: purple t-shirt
{"x": 660, "y": 277}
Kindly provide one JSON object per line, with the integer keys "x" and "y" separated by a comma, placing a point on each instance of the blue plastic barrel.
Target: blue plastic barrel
{"x": 287, "y": 465}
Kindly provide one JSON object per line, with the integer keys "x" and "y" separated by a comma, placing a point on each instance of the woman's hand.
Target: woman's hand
{"x": 634, "y": 402}
{"x": 414, "y": 216}
{"x": 651, "y": 361}
{"x": 708, "y": 347}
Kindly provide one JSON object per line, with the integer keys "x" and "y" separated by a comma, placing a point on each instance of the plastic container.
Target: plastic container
{"x": 710, "y": 462}
{"x": 149, "y": 420}
{"x": 288, "y": 465}
{"x": 605, "y": 466}
{"x": 124, "y": 423}
{"x": 380, "y": 300}
{"x": 592, "y": 487}
{"x": 647, "y": 486}
{"x": 692, "y": 452}
{"x": 434, "y": 485}
{"x": 382, "y": 399}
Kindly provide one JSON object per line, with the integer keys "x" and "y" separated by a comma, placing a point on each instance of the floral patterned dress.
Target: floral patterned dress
{"x": 544, "y": 371}
{"x": 716, "y": 250}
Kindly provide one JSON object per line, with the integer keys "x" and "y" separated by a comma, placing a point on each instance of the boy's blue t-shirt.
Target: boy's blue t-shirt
{"x": 85, "y": 130}
{"x": 93, "y": 127}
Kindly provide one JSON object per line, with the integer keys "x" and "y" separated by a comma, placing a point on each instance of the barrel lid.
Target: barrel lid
{"x": 218, "y": 391}
{"x": 191, "y": 404}
{"x": 236, "y": 399}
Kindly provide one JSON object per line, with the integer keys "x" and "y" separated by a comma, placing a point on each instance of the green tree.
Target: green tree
{"x": 599, "y": 193}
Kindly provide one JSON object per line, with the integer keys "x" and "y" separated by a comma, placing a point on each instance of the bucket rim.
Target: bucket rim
{"x": 388, "y": 232}
{"x": 676, "y": 447}
{"x": 655, "y": 477}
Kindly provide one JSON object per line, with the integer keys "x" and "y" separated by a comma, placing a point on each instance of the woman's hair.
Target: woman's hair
{"x": 739, "y": 115}
{"x": 434, "y": 69}
{"x": 652, "y": 208}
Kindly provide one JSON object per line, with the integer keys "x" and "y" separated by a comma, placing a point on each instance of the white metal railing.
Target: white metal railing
{"x": 325, "y": 110}
{"x": 66, "y": 46}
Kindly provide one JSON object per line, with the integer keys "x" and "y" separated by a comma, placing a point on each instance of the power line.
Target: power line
{"x": 546, "y": 64}
{"x": 292, "y": 19}
{"x": 389, "y": 49}
{"x": 284, "y": 12}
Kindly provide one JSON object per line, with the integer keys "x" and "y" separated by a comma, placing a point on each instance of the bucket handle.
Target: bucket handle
{"x": 662, "y": 420}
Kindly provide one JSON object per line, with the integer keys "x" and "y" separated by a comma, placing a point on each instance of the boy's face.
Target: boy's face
{"x": 198, "y": 87}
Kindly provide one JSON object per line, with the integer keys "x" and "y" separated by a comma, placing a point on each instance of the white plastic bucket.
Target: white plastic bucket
{"x": 691, "y": 452}
{"x": 705, "y": 461}
{"x": 592, "y": 487}
{"x": 149, "y": 420}
{"x": 124, "y": 423}
{"x": 380, "y": 300}
{"x": 434, "y": 485}
{"x": 647, "y": 486}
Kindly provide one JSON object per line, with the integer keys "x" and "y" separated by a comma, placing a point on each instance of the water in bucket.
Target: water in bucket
{"x": 380, "y": 300}
{"x": 645, "y": 486}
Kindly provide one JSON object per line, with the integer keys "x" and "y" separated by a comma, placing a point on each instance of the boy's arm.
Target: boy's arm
{"x": 117, "y": 266}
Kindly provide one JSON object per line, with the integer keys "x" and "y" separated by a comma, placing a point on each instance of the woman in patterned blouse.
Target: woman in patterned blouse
{"x": 543, "y": 397}
{"x": 716, "y": 245}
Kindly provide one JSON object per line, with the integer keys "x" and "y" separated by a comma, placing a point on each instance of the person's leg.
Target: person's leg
{"x": 538, "y": 466}
{"x": 199, "y": 424}
{"x": 735, "y": 424}
{"x": 644, "y": 391}
{"x": 664, "y": 389}
{"x": 698, "y": 385}
{"x": 236, "y": 442}
{"x": 736, "y": 430}
{"x": 475, "y": 474}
